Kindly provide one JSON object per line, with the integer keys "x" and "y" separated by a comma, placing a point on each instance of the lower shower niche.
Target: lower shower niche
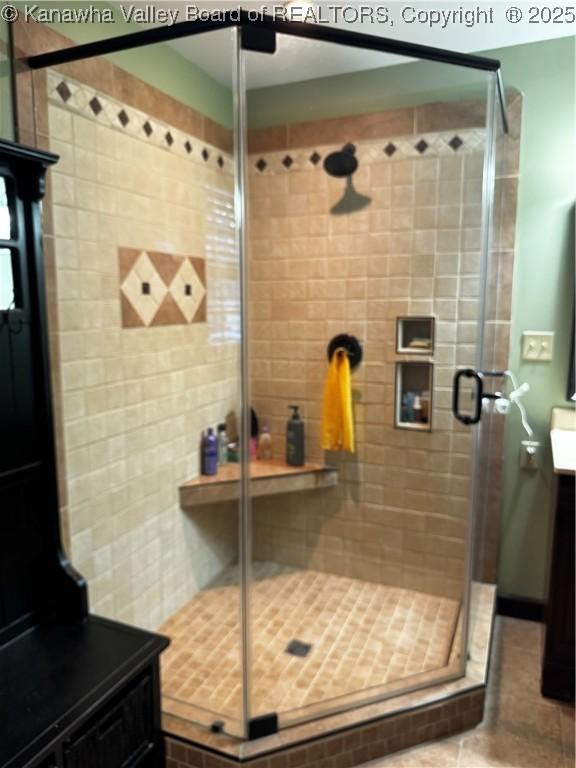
{"x": 414, "y": 395}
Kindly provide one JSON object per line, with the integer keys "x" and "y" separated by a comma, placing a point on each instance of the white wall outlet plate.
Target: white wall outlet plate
{"x": 530, "y": 454}
{"x": 537, "y": 346}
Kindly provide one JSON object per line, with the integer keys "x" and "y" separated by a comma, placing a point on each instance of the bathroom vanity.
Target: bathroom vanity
{"x": 558, "y": 663}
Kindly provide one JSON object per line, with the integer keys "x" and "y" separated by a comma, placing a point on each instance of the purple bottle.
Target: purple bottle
{"x": 209, "y": 453}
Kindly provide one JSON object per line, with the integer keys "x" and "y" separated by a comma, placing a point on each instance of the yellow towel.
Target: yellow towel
{"x": 337, "y": 424}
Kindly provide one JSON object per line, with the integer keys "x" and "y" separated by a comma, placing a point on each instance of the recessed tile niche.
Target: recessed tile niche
{"x": 414, "y": 395}
{"x": 415, "y": 335}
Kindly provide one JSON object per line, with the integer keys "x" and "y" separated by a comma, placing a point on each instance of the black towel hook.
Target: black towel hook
{"x": 350, "y": 344}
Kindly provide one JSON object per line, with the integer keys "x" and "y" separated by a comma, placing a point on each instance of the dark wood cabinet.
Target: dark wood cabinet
{"x": 76, "y": 691}
{"x": 558, "y": 663}
{"x": 81, "y": 695}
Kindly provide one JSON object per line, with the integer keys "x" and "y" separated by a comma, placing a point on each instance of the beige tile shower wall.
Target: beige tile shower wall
{"x": 399, "y": 514}
{"x": 136, "y": 399}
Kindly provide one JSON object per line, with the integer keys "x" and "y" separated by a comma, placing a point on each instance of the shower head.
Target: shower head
{"x": 351, "y": 201}
{"x": 342, "y": 163}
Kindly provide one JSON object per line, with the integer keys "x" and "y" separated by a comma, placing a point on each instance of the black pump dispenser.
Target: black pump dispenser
{"x": 295, "y": 439}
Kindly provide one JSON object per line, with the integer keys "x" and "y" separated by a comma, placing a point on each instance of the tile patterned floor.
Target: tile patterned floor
{"x": 521, "y": 729}
{"x": 362, "y": 634}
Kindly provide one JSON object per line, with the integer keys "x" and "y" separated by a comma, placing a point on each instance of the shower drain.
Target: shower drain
{"x": 298, "y": 648}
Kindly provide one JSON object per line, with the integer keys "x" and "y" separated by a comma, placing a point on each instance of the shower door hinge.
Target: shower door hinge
{"x": 259, "y": 40}
{"x": 264, "y": 725}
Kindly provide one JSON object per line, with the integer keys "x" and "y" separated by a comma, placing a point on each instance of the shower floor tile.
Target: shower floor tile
{"x": 361, "y": 635}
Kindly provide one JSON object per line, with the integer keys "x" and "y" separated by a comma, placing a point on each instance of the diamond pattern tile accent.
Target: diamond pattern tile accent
{"x": 287, "y": 161}
{"x": 64, "y": 91}
{"x": 85, "y": 100}
{"x": 456, "y": 142}
{"x": 315, "y": 158}
{"x": 161, "y": 289}
{"x": 389, "y": 149}
{"x": 144, "y": 303}
{"x": 261, "y": 164}
{"x": 95, "y": 105}
{"x": 187, "y": 290}
{"x": 422, "y": 146}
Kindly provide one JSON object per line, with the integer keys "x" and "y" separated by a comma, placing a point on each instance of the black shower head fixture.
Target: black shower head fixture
{"x": 341, "y": 163}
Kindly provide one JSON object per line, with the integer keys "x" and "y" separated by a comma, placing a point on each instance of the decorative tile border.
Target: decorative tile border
{"x": 161, "y": 289}
{"x": 95, "y": 105}
{"x": 425, "y": 145}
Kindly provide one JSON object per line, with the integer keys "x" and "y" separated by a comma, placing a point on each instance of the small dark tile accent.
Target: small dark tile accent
{"x": 188, "y": 147}
{"x": 147, "y": 128}
{"x": 168, "y": 138}
{"x": 389, "y": 149}
{"x": 422, "y": 146}
{"x": 456, "y": 142}
{"x": 298, "y": 648}
{"x": 123, "y": 118}
{"x": 287, "y": 162}
{"x": 95, "y": 105}
{"x": 205, "y": 154}
{"x": 188, "y": 289}
{"x": 261, "y": 164}
{"x": 315, "y": 158}
{"x": 63, "y": 91}
{"x": 146, "y": 289}
{"x": 220, "y": 161}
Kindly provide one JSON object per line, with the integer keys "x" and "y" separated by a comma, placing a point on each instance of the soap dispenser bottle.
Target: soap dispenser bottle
{"x": 295, "y": 439}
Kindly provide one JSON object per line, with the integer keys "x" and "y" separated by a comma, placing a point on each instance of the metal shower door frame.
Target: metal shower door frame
{"x": 269, "y": 25}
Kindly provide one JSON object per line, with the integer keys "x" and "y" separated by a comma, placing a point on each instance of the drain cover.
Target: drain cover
{"x": 298, "y": 648}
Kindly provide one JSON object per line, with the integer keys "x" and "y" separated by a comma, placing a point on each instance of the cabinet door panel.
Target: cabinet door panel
{"x": 118, "y": 736}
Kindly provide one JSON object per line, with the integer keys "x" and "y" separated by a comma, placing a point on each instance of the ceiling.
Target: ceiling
{"x": 299, "y": 59}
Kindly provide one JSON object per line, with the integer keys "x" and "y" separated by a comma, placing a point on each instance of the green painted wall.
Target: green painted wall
{"x": 158, "y": 65}
{"x": 6, "y": 117}
{"x": 393, "y": 87}
{"x": 542, "y": 297}
{"x": 543, "y": 294}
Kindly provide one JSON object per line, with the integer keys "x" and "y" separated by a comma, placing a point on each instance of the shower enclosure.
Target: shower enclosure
{"x": 346, "y": 188}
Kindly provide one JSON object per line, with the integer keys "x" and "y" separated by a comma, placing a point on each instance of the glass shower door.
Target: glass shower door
{"x": 367, "y": 217}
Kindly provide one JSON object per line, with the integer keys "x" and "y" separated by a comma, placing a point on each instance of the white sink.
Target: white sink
{"x": 563, "y": 439}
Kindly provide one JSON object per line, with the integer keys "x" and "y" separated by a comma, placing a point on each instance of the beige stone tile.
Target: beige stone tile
{"x": 344, "y": 619}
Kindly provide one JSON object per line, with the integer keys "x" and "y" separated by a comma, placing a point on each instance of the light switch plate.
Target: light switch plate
{"x": 537, "y": 346}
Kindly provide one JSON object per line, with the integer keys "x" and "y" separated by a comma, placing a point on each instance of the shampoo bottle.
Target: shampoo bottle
{"x": 210, "y": 453}
{"x": 265, "y": 444}
{"x": 295, "y": 439}
{"x": 222, "y": 444}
